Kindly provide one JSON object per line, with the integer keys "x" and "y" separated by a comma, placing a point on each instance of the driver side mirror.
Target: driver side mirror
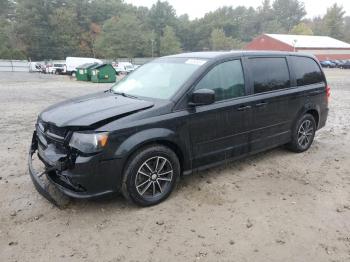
{"x": 202, "y": 97}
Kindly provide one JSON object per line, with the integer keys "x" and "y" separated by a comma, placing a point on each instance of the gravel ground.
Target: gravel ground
{"x": 275, "y": 206}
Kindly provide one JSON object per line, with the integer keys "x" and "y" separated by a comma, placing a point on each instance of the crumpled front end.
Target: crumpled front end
{"x": 67, "y": 173}
{"x": 40, "y": 180}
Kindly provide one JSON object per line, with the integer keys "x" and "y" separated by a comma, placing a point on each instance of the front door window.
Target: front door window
{"x": 226, "y": 79}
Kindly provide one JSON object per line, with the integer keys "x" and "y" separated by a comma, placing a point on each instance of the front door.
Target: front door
{"x": 221, "y": 130}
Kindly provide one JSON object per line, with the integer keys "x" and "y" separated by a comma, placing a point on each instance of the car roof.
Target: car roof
{"x": 207, "y": 55}
{"x": 228, "y": 54}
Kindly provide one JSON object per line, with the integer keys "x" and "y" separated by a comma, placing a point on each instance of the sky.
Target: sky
{"x": 197, "y": 8}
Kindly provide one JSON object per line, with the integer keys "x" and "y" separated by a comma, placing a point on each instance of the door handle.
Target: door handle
{"x": 243, "y": 108}
{"x": 261, "y": 104}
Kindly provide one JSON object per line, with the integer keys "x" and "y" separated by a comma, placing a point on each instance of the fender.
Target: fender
{"x": 307, "y": 107}
{"x": 144, "y": 137}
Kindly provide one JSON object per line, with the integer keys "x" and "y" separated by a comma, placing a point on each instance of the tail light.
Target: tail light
{"x": 328, "y": 92}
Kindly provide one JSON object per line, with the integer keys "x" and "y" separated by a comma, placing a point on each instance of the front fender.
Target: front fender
{"x": 144, "y": 137}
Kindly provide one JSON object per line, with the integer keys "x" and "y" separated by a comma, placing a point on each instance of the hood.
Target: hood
{"x": 91, "y": 109}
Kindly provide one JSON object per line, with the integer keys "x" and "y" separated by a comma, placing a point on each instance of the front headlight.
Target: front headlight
{"x": 89, "y": 142}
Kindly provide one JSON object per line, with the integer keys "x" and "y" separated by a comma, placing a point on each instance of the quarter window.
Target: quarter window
{"x": 269, "y": 74}
{"x": 225, "y": 79}
{"x": 307, "y": 71}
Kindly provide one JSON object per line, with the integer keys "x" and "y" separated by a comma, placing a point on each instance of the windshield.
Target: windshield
{"x": 160, "y": 79}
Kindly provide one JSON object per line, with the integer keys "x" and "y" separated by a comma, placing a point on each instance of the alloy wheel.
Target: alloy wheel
{"x": 154, "y": 177}
{"x": 305, "y": 134}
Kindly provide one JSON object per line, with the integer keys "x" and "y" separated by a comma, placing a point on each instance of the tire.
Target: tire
{"x": 150, "y": 175}
{"x": 303, "y": 134}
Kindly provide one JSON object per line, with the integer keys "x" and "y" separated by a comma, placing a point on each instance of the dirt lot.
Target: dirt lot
{"x": 275, "y": 206}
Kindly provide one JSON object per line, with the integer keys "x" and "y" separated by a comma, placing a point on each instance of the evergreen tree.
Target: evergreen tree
{"x": 288, "y": 13}
{"x": 333, "y": 22}
{"x": 32, "y": 24}
{"x": 161, "y": 15}
{"x": 122, "y": 37}
{"x": 219, "y": 41}
{"x": 301, "y": 29}
{"x": 169, "y": 43}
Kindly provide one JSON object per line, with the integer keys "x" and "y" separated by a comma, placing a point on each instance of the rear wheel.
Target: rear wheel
{"x": 303, "y": 134}
{"x": 150, "y": 175}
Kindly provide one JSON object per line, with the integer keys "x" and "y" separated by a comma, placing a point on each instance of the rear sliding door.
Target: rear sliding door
{"x": 274, "y": 104}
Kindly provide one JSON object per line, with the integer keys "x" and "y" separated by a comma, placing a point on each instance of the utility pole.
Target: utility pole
{"x": 152, "y": 43}
{"x": 152, "y": 47}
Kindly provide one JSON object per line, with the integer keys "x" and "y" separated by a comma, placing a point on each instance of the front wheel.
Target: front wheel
{"x": 303, "y": 134}
{"x": 150, "y": 175}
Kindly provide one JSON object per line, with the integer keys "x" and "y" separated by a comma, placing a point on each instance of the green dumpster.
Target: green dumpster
{"x": 104, "y": 73}
{"x": 84, "y": 71}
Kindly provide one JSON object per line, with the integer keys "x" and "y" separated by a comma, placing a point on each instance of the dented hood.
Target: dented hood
{"x": 91, "y": 109}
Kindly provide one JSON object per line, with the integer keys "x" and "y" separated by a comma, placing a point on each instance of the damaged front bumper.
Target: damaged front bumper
{"x": 65, "y": 175}
{"x": 40, "y": 180}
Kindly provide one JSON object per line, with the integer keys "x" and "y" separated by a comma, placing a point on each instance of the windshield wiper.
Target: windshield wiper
{"x": 124, "y": 94}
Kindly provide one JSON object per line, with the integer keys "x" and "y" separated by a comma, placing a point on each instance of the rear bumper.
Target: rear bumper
{"x": 88, "y": 177}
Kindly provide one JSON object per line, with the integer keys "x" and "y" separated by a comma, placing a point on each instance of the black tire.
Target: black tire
{"x": 149, "y": 185}
{"x": 303, "y": 134}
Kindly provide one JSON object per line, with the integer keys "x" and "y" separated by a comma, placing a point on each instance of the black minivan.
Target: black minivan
{"x": 177, "y": 115}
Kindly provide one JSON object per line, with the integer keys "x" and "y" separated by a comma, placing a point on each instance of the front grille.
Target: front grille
{"x": 56, "y": 131}
{"x": 51, "y": 134}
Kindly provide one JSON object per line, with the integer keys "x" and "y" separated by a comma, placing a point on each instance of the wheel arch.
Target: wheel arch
{"x": 156, "y": 136}
{"x": 315, "y": 114}
{"x": 311, "y": 109}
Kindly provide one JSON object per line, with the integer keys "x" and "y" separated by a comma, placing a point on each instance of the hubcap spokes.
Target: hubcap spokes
{"x": 305, "y": 133}
{"x": 154, "y": 176}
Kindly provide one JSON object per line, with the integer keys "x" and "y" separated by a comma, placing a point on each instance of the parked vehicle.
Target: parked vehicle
{"x": 123, "y": 67}
{"x": 175, "y": 116}
{"x": 57, "y": 68}
{"x": 345, "y": 65}
{"x": 34, "y": 67}
{"x": 73, "y": 62}
{"x": 43, "y": 68}
{"x": 328, "y": 64}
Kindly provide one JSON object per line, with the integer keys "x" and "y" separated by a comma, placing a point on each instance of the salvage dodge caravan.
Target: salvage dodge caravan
{"x": 177, "y": 115}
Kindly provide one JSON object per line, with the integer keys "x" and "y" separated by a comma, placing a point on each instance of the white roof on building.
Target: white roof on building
{"x": 310, "y": 41}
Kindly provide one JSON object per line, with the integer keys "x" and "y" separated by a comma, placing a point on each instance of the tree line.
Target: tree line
{"x": 54, "y": 29}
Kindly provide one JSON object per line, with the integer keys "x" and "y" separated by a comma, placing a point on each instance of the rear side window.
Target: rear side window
{"x": 307, "y": 71}
{"x": 226, "y": 79}
{"x": 269, "y": 74}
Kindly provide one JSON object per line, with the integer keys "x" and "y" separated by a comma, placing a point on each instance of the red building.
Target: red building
{"x": 323, "y": 47}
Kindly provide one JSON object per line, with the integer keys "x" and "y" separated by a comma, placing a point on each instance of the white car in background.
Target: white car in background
{"x": 123, "y": 67}
{"x": 57, "y": 69}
